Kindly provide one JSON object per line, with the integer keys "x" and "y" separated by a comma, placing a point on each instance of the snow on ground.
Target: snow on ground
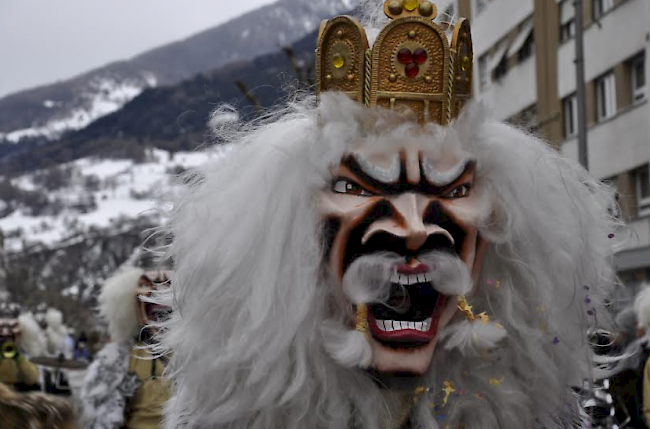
{"x": 104, "y": 96}
{"x": 123, "y": 190}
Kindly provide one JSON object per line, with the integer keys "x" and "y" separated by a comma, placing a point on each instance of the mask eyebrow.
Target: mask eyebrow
{"x": 441, "y": 179}
{"x": 386, "y": 175}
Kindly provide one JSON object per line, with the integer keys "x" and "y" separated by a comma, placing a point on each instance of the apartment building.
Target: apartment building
{"x": 524, "y": 52}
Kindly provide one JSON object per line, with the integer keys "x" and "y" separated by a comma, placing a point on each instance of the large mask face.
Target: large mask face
{"x": 414, "y": 204}
{"x": 148, "y": 312}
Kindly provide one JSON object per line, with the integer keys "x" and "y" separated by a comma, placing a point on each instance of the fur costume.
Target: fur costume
{"x": 123, "y": 386}
{"x": 34, "y": 411}
{"x": 296, "y": 255}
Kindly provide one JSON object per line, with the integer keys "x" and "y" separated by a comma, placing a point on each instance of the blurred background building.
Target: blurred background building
{"x": 524, "y": 52}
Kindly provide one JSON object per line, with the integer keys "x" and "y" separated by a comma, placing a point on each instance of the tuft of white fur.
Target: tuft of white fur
{"x": 118, "y": 304}
{"x": 472, "y": 337}
{"x": 251, "y": 294}
{"x": 642, "y": 307}
{"x": 349, "y": 348}
{"x": 31, "y": 340}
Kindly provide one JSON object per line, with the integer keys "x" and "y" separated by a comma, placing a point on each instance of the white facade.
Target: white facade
{"x": 500, "y": 95}
{"x": 619, "y": 140}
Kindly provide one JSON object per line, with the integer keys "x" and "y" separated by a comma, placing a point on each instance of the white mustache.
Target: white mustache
{"x": 369, "y": 278}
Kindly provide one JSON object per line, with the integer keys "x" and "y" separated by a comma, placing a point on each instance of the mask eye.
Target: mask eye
{"x": 343, "y": 186}
{"x": 458, "y": 192}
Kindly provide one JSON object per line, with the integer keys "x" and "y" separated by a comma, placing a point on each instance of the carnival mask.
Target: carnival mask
{"x": 402, "y": 220}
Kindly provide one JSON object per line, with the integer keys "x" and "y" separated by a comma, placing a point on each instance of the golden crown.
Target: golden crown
{"x": 411, "y": 63}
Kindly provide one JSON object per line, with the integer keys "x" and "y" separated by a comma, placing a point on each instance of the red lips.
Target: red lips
{"x": 408, "y": 269}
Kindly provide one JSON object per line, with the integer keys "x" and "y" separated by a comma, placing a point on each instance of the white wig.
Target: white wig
{"x": 31, "y": 340}
{"x": 118, "y": 304}
{"x": 250, "y": 301}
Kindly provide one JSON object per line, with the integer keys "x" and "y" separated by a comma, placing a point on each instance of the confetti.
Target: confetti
{"x": 586, "y": 287}
{"x": 611, "y": 235}
{"x": 556, "y": 341}
{"x": 490, "y": 282}
{"x": 448, "y": 389}
{"x": 591, "y": 312}
{"x": 480, "y": 396}
{"x": 496, "y": 381}
{"x": 587, "y": 300}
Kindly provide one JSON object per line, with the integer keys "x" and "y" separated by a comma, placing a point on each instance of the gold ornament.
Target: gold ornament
{"x": 411, "y": 63}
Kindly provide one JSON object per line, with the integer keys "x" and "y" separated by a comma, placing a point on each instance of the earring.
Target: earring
{"x": 362, "y": 319}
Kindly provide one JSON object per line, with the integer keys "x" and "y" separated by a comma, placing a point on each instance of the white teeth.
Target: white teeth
{"x": 409, "y": 279}
{"x": 398, "y": 325}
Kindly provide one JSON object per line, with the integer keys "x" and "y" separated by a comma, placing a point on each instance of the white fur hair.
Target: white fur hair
{"x": 250, "y": 297}
{"x": 31, "y": 340}
{"x": 118, "y": 304}
{"x": 56, "y": 331}
{"x": 642, "y": 308}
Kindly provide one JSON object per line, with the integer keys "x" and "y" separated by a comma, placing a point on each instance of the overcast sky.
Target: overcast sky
{"x": 42, "y": 41}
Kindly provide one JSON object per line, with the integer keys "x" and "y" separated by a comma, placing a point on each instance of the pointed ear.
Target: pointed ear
{"x": 340, "y": 57}
{"x": 461, "y": 49}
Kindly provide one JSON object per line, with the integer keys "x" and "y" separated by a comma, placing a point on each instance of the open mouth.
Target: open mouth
{"x": 410, "y": 316}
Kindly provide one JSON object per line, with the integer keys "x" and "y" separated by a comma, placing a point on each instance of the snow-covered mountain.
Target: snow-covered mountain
{"x": 50, "y": 110}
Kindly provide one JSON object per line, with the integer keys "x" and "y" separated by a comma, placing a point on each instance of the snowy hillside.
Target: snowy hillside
{"x": 103, "y": 96}
{"x": 90, "y": 194}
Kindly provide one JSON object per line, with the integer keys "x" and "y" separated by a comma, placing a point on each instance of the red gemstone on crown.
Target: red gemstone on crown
{"x": 404, "y": 56}
{"x": 419, "y": 56}
{"x": 411, "y": 70}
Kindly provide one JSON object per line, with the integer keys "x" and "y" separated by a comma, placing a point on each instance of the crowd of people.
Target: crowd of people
{"x": 51, "y": 379}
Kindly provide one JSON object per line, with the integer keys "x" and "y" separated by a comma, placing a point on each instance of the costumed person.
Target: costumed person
{"x": 124, "y": 386}
{"x": 55, "y": 379}
{"x": 34, "y": 411}
{"x": 387, "y": 256}
{"x": 627, "y": 361}
{"x": 19, "y": 338}
{"x": 638, "y": 362}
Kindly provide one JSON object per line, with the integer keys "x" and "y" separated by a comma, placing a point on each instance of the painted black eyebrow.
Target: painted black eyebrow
{"x": 402, "y": 185}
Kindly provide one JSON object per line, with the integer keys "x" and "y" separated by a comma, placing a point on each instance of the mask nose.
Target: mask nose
{"x": 407, "y": 221}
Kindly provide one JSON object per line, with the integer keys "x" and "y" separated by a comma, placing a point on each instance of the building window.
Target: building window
{"x": 570, "y": 115}
{"x": 567, "y": 20}
{"x": 480, "y": 5}
{"x": 449, "y": 12}
{"x": 529, "y": 47}
{"x": 637, "y": 69}
{"x": 483, "y": 71}
{"x": 643, "y": 190}
{"x": 600, "y": 7}
{"x": 501, "y": 69}
{"x": 605, "y": 96}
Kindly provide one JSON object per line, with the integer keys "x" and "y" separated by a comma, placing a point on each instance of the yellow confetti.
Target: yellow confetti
{"x": 498, "y": 325}
{"x": 484, "y": 318}
{"x": 420, "y": 390}
{"x": 448, "y": 389}
{"x": 498, "y": 285}
{"x": 496, "y": 381}
{"x": 464, "y": 307}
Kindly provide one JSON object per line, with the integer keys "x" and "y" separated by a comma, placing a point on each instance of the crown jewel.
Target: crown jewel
{"x": 411, "y": 63}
